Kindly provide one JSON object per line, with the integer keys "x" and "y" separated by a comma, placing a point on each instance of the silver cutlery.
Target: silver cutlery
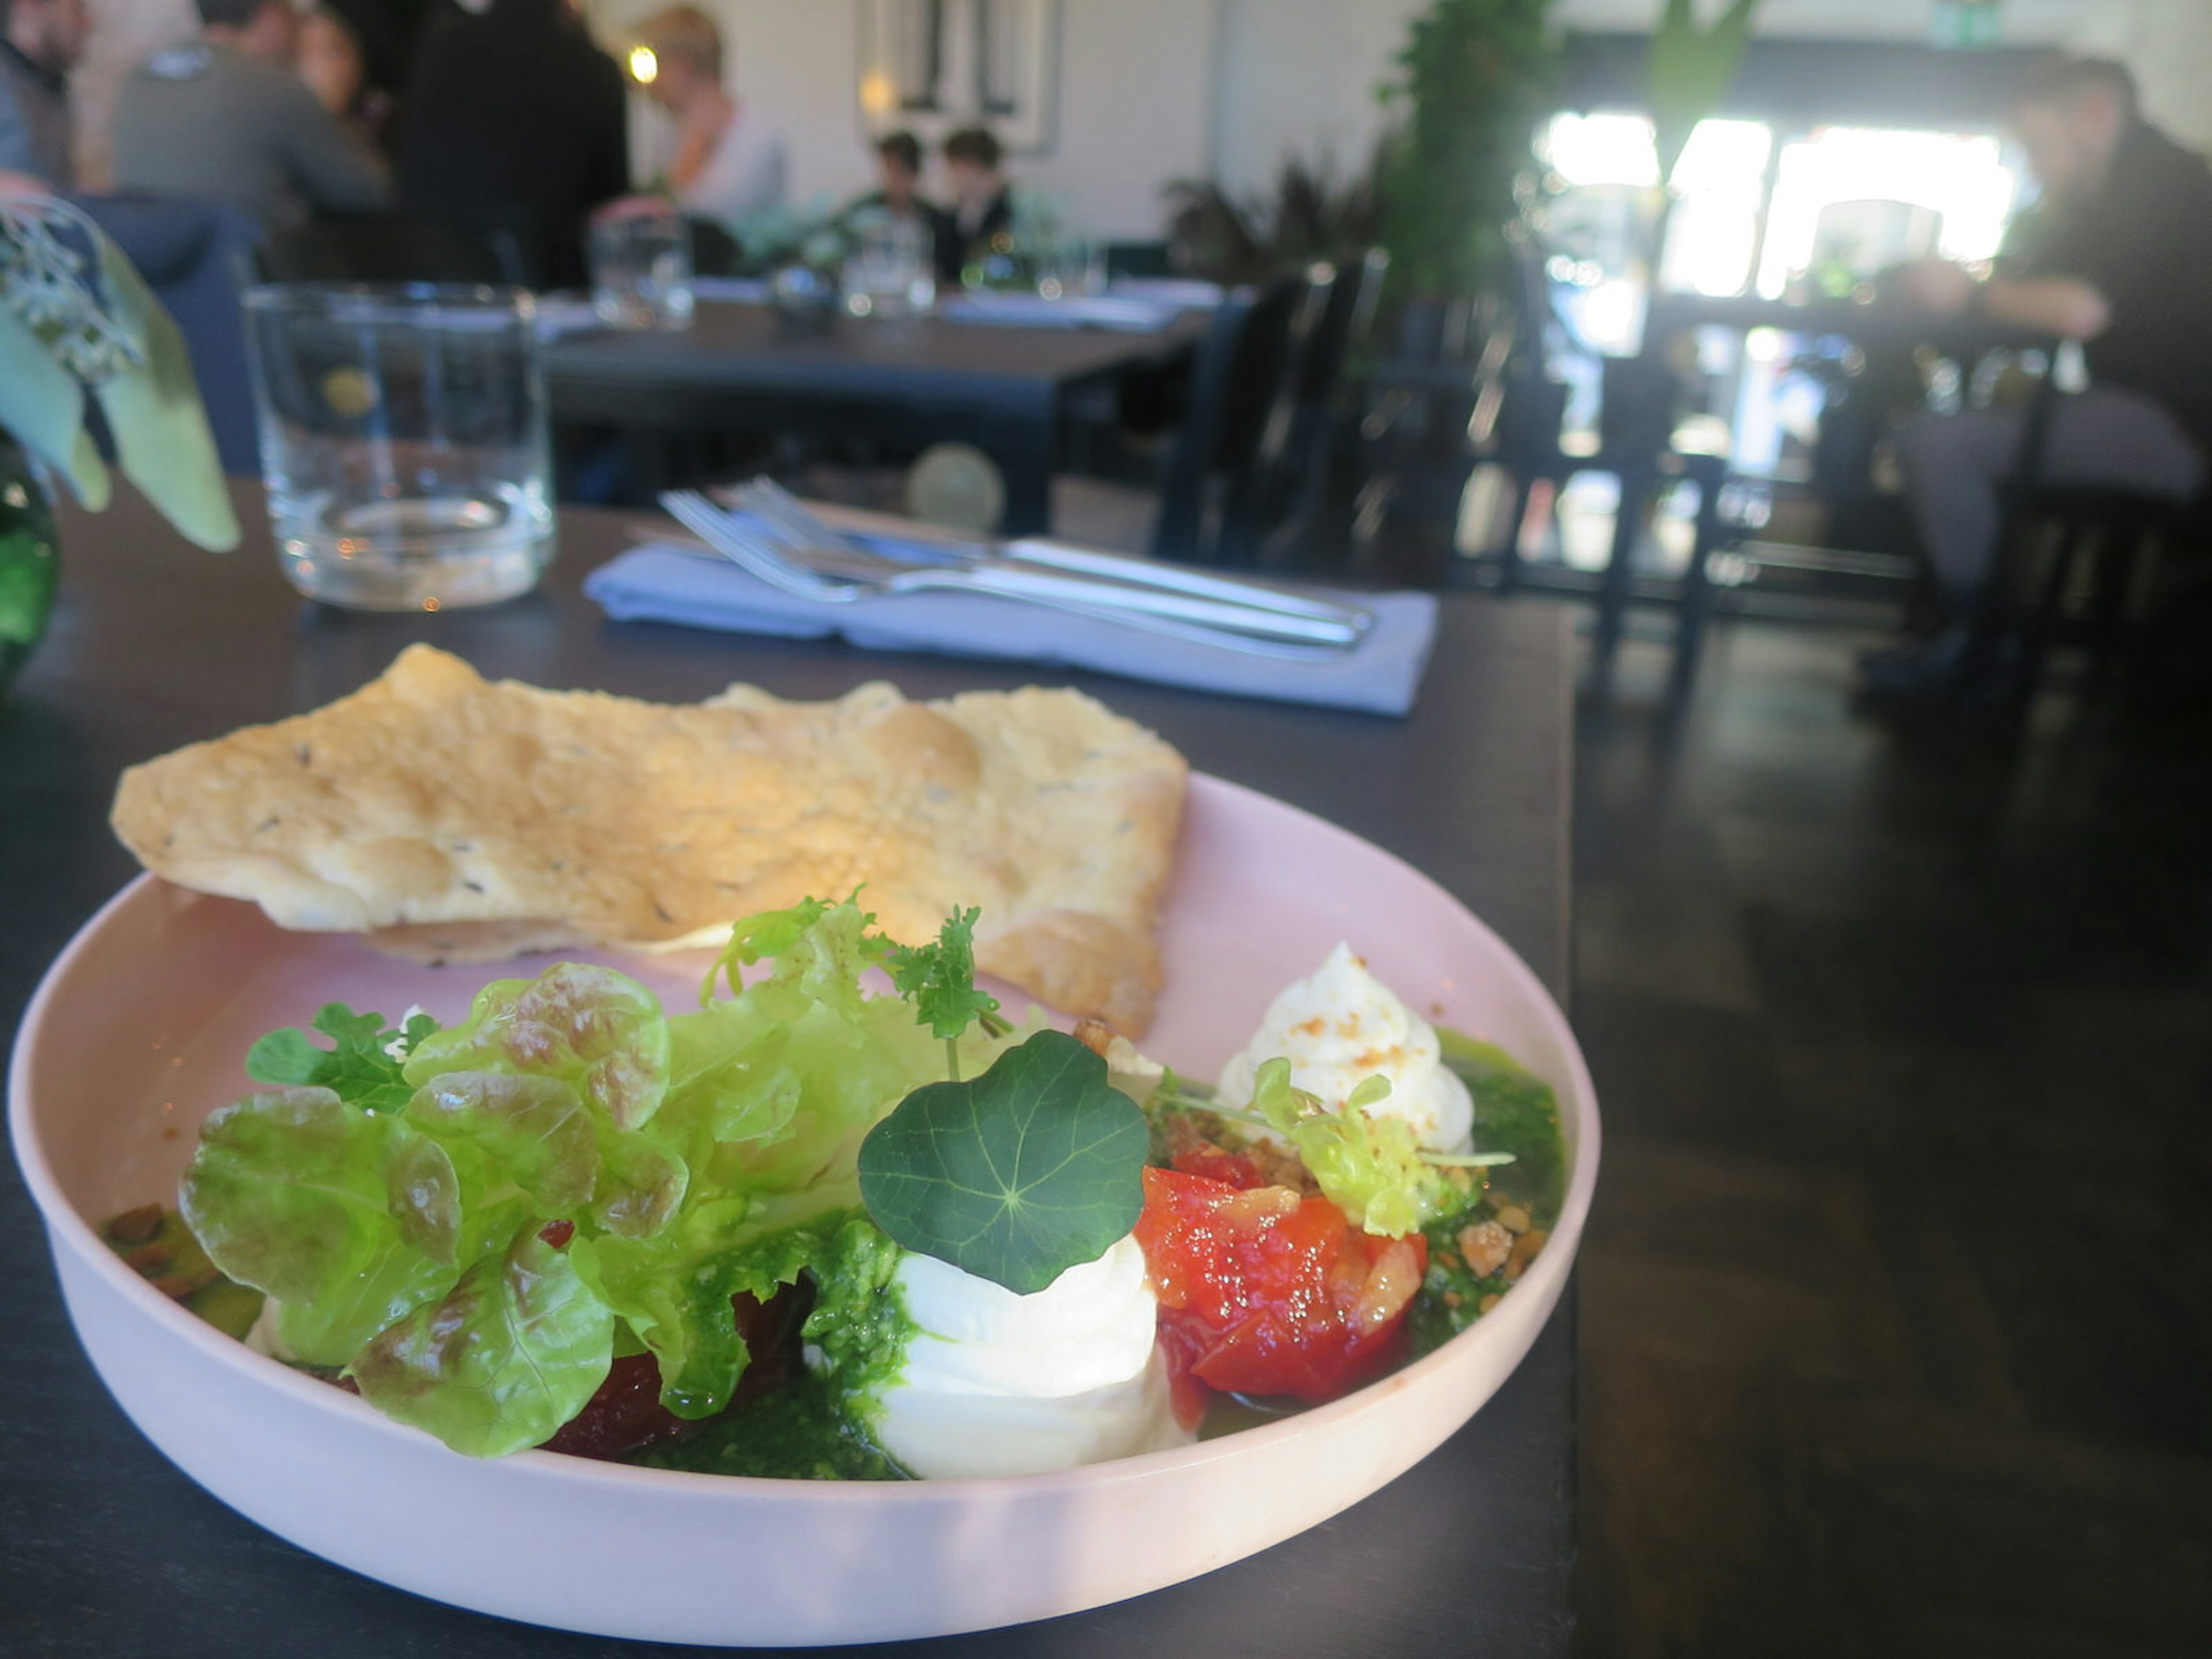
{"x": 769, "y": 500}
{"x": 840, "y": 575}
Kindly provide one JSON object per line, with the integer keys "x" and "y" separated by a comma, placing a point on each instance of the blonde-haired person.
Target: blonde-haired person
{"x": 724, "y": 164}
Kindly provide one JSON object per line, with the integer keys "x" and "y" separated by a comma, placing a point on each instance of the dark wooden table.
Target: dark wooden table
{"x": 903, "y": 382}
{"x": 106, "y": 1552}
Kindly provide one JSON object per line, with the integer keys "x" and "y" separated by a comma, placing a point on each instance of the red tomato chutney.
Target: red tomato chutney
{"x": 1264, "y": 1290}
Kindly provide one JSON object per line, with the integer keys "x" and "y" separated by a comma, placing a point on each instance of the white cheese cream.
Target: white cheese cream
{"x": 996, "y": 1384}
{"x": 1339, "y": 1026}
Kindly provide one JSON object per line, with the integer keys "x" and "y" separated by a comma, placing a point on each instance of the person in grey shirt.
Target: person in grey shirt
{"x": 40, "y": 41}
{"x": 224, "y": 118}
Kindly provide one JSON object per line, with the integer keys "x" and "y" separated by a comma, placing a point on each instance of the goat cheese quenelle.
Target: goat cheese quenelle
{"x": 803, "y": 1230}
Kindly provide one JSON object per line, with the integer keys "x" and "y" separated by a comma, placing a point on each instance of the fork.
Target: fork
{"x": 847, "y": 575}
{"x": 766, "y": 499}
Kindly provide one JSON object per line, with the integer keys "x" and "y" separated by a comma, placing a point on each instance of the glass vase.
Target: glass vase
{"x": 27, "y": 565}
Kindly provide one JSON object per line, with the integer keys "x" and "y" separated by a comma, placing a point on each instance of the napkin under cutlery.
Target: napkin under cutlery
{"x": 1381, "y": 675}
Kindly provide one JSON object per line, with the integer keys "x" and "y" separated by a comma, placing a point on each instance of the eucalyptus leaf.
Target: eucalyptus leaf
{"x": 163, "y": 443}
{"x": 42, "y": 408}
{"x": 1016, "y": 1176}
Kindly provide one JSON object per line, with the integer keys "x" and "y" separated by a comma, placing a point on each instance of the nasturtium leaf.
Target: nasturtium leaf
{"x": 348, "y": 1219}
{"x": 599, "y": 1031}
{"x": 511, "y": 1354}
{"x": 1016, "y": 1176}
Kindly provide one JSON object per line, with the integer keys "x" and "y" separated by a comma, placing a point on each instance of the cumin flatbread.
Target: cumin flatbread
{"x": 453, "y": 818}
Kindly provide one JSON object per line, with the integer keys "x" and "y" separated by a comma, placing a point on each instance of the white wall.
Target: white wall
{"x": 1135, "y": 83}
{"x": 1155, "y": 90}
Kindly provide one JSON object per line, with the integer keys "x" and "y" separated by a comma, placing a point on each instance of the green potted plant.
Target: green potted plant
{"x": 80, "y": 328}
{"x": 1475, "y": 78}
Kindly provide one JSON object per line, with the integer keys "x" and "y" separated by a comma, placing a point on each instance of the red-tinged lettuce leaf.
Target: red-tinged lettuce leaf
{"x": 1016, "y": 1177}
{"x": 511, "y": 1354}
{"x": 504, "y": 1130}
{"x": 350, "y": 1219}
{"x": 599, "y": 1031}
{"x": 640, "y": 1185}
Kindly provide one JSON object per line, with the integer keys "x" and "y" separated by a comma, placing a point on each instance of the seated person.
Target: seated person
{"x": 898, "y": 181}
{"x": 2119, "y": 265}
{"x": 335, "y": 69}
{"x": 514, "y": 120}
{"x": 983, "y": 204}
{"x": 41, "y": 42}
{"x": 726, "y": 164}
{"x": 225, "y": 118}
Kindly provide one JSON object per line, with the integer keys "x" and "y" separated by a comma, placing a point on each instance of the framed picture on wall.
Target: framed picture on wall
{"x": 930, "y": 67}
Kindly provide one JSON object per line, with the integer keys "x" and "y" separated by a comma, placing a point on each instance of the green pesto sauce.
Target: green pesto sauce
{"x": 796, "y": 1432}
{"x": 807, "y": 1431}
{"x": 1515, "y": 1112}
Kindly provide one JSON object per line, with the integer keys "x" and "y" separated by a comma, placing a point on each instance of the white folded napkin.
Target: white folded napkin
{"x": 1074, "y": 311}
{"x": 1381, "y": 674}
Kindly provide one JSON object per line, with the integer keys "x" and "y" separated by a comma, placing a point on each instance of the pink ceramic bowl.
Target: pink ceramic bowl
{"x": 140, "y": 1029}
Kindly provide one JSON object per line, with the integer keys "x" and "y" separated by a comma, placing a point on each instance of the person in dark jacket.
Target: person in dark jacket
{"x": 983, "y": 204}
{"x": 2118, "y": 262}
{"x": 514, "y": 118}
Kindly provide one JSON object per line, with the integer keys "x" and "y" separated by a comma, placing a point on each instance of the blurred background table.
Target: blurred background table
{"x": 902, "y": 383}
{"x": 106, "y": 1550}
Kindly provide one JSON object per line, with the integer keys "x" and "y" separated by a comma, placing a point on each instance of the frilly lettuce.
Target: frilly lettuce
{"x": 570, "y": 1160}
{"x": 1371, "y": 1165}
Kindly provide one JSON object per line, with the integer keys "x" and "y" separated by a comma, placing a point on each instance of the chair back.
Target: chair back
{"x": 394, "y": 248}
{"x": 1262, "y": 482}
{"x": 1233, "y": 383}
{"x": 195, "y": 255}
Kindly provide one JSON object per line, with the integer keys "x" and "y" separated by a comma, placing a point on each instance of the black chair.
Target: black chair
{"x": 1640, "y": 443}
{"x": 2080, "y": 563}
{"x": 395, "y": 248}
{"x": 1223, "y": 471}
{"x": 1287, "y": 487}
{"x": 1197, "y": 494}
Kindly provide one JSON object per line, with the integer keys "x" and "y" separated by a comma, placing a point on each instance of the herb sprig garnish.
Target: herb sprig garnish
{"x": 940, "y": 981}
{"x": 361, "y": 1068}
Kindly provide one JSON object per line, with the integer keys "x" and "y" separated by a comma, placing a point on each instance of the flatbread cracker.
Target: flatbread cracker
{"x": 453, "y": 818}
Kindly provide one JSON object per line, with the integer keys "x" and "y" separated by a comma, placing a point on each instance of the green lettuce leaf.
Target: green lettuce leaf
{"x": 599, "y": 1031}
{"x": 350, "y": 1219}
{"x": 511, "y": 1354}
{"x": 674, "y": 1291}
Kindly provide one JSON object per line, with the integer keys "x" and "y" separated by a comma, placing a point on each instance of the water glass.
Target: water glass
{"x": 403, "y": 441}
{"x": 641, "y": 271}
{"x": 892, "y": 269}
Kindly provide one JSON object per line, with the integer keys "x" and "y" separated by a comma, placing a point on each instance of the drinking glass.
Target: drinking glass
{"x": 641, "y": 271}
{"x": 892, "y": 269}
{"x": 403, "y": 441}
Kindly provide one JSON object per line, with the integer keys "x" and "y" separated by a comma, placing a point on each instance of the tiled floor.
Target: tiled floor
{"x": 1896, "y": 1302}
